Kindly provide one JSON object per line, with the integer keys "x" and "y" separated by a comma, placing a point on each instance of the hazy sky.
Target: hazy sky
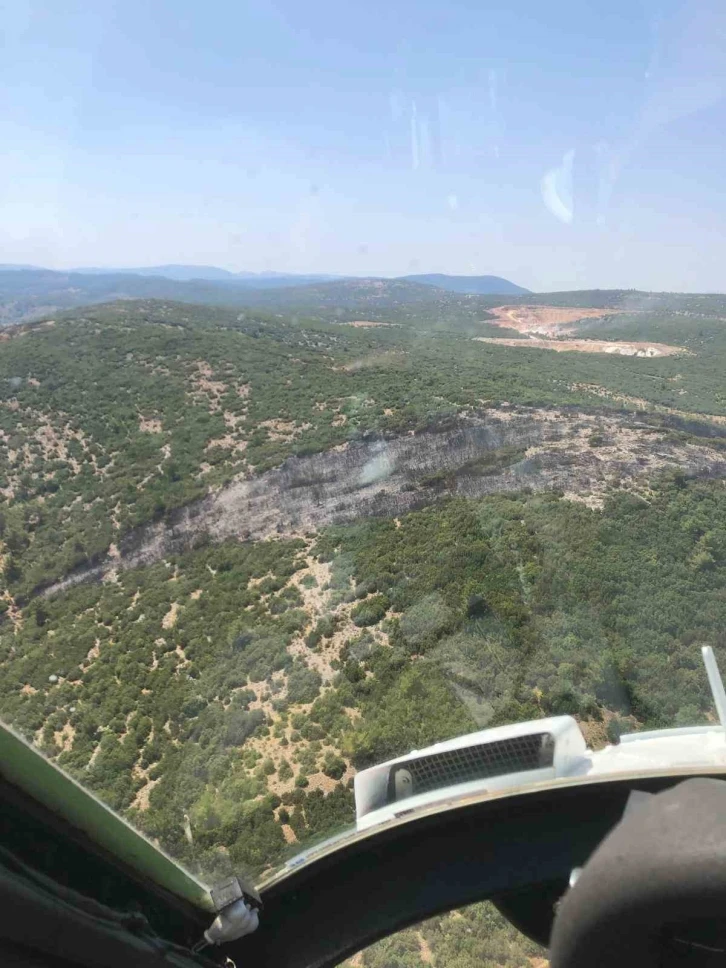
{"x": 562, "y": 144}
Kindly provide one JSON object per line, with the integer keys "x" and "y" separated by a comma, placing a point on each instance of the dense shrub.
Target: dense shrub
{"x": 370, "y": 612}
{"x": 303, "y": 684}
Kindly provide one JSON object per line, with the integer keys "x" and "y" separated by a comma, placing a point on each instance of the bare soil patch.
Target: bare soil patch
{"x": 644, "y": 350}
{"x": 169, "y": 620}
{"x": 149, "y": 425}
{"x": 544, "y": 320}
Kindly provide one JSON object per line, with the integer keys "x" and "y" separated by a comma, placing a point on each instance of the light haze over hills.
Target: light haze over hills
{"x": 563, "y": 146}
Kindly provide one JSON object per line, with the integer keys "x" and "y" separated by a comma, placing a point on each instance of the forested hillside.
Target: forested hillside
{"x": 483, "y": 285}
{"x": 432, "y": 300}
{"x": 514, "y": 535}
{"x": 28, "y": 294}
{"x": 265, "y": 672}
{"x": 115, "y": 417}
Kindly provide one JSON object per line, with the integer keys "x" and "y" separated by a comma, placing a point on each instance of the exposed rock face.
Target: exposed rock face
{"x": 492, "y": 451}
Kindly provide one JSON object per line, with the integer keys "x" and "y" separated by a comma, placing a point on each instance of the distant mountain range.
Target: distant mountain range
{"x": 185, "y": 273}
{"x": 27, "y": 294}
{"x": 474, "y": 285}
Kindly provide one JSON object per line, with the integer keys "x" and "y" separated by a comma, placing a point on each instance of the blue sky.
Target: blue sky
{"x": 562, "y": 145}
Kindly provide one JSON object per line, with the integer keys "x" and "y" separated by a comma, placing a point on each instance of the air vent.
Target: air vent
{"x": 482, "y": 763}
{"x": 517, "y": 754}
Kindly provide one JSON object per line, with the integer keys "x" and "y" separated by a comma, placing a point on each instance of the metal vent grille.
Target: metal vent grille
{"x": 532, "y": 752}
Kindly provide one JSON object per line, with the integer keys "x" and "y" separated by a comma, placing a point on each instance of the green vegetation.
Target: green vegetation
{"x": 222, "y": 698}
{"x": 122, "y": 415}
{"x": 535, "y": 605}
{"x": 182, "y": 691}
{"x": 476, "y": 935}
{"x": 370, "y": 612}
{"x": 627, "y": 300}
{"x": 30, "y": 294}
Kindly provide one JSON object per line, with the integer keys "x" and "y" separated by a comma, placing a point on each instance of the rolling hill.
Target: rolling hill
{"x": 476, "y": 285}
{"x": 383, "y": 300}
{"x": 30, "y": 294}
{"x": 27, "y": 294}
